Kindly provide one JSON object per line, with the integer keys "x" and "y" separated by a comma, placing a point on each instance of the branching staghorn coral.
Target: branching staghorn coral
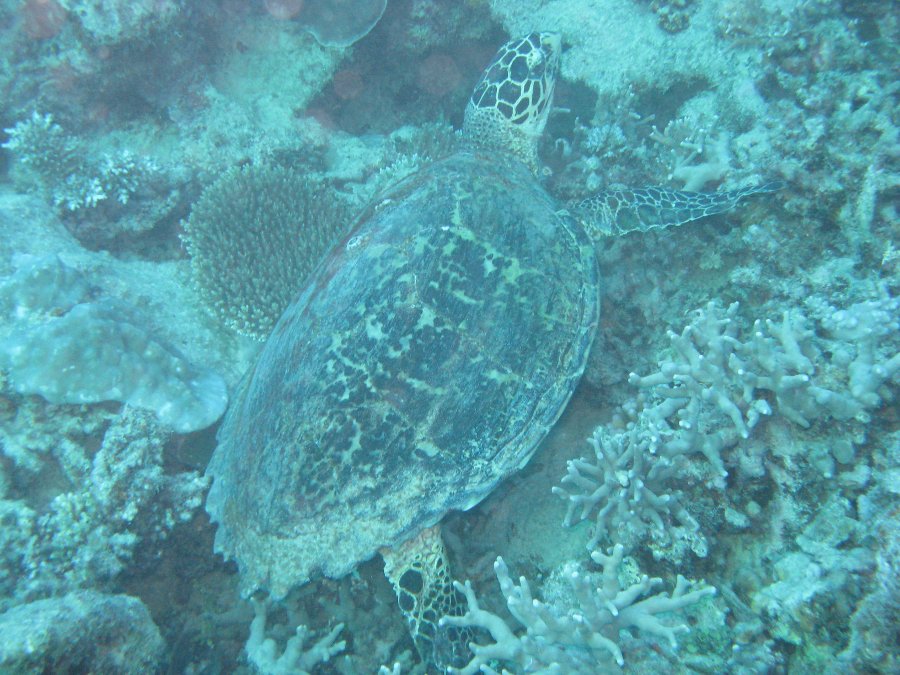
{"x": 694, "y": 159}
{"x": 66, "y": 171}
{"x": 262, "y": 652}
{"x": 710, "y": 394}
{"x": 780, "y": 359}
{"x": 627, "y": 488}
{"x": 864, "y": 325}
{"x": 577, "y": 639}
{"x": 105, "y": 193}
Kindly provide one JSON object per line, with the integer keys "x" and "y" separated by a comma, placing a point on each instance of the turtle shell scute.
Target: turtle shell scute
{"x": 428, "y": 356}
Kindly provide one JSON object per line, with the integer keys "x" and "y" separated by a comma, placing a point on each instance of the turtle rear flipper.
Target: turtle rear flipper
{"x": 615, "y": 212}
{"x": 419, "y": 571}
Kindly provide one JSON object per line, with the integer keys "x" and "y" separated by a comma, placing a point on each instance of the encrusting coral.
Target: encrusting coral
{"x": 100, "y": 351}
{"x": 68, "y": 349}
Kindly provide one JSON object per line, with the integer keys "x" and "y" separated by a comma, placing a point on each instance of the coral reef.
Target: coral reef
{"x": 262, "y": 651}
{"x": 280, "y": 221}
{"x": 114, "y": 21}
{"x": 96, "y": 187}
{"x": 710, "y": 395}
{"x": 872, "y": 645}
{"x": 673, "y": 15}
{"x": 632, "y": 40}
{"x": 43, "y": 19}
{"x": 117, "y": 497}
{"x": 579, "y": 638}
{"x": 761, "y": 456}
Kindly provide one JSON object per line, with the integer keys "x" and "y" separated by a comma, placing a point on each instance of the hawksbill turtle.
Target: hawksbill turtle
{"x": 426, "y": 358}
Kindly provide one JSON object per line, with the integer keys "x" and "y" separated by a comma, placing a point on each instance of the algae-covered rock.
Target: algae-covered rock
{"x": 81, "y": 632}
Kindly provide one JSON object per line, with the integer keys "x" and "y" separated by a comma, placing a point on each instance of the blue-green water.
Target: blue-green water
{"x": 171, "y": 174}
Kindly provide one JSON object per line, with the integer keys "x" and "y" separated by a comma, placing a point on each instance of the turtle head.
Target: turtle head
{"x": 510, "y": 104}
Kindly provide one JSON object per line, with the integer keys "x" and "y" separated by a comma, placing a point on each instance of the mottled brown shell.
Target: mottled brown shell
{"x": 427, "y": 358}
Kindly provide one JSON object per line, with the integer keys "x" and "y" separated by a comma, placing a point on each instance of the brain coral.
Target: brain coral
{"x": 254, "y": 236}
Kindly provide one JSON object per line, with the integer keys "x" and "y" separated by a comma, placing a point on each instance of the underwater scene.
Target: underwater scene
{"x": 466, "y": 336}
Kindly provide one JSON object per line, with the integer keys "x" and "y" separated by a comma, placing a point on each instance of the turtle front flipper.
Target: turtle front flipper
{"x": 615, "y": 212}
{"x": 419, "y": 571}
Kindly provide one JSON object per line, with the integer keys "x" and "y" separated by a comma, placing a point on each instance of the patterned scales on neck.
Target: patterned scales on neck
{"x": 426, "y": 359}
{"x": 508, "y": 109}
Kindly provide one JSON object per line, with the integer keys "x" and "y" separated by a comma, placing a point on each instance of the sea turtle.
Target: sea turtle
{"x": 426, "y": 358}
